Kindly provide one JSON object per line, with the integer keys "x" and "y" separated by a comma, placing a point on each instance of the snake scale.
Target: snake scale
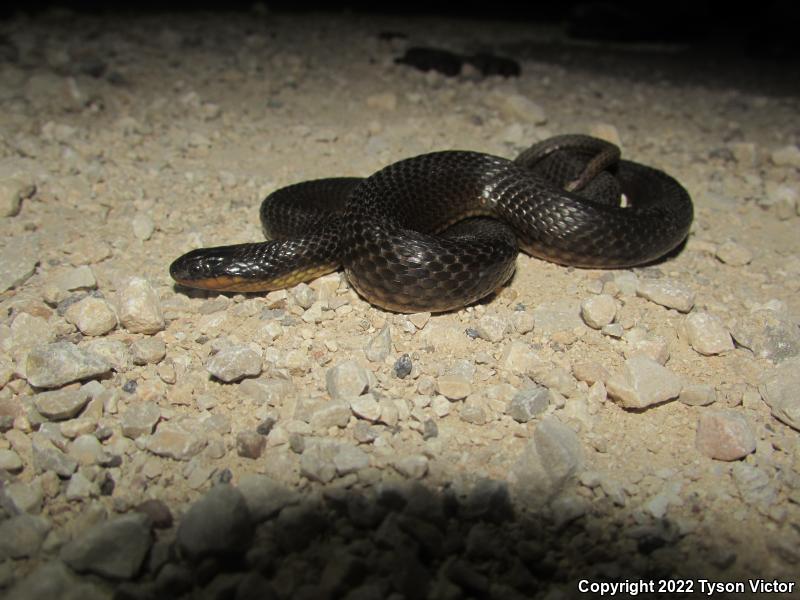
{"x": 442, "y": 230}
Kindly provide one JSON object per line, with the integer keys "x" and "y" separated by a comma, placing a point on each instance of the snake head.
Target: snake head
{"x": 212, "y": 269}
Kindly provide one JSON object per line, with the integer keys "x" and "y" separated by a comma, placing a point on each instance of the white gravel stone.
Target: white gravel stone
{"x": 779, "y": 388}
{"x": 599, "y": 311}
{"x": 87, "y": 450}
{"x": 350, "y": 459}
{"x": 13, "y": 190}
{"x": 522, "y": 321}
{"x": 80, "y": 488}
{"x": 25, "y": 497}
{"x": 143, "y": 226}
{"x": 754, "y": 485}
{"x": 414, "y": 466}
{"x": 59, "y": 405}
{"x": 518, "y": 358}
{"x": 139, "y": 307}
{"x": 453, "y": 386}
{"x": 48, "y": 457}
{"x": 28, "y": 331}
{"x": 234, "y": 363}
{"x": 667, "y": 292}
{"x": 78, "y": 278}
{"x": 92, "y": 316}
{"x": 724, "y": 435}
{"x": 346, "y": 380}
{"x": 379, "y": 346}
{"x": 552, "y": 459}
{"x": 304, "y": 295}
{"x": 734, "y": 254}
{"x": 173, "y": 441}
{"x": 528, "y": 403}
{"x": 18, "y": 260}
{"x": 516, "y": 107}
{"x": 10, "y": 461}
{"x": 707, "y": 334}
{"x": 59, "y": 363}
{"x": 643, "y": 382}
{"x": 149, "y": 350}
{"x": 698, "y": 395}
{"x": 769, "y": 334}
{"x": 786, "y": 156}
{"x": 492, "y": 328}
{"x": 331, "y": 414}
{"x": 366, "y": 407}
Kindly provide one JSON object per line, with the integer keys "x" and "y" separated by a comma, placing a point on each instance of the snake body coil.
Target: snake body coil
{"x": 439, "y": 231}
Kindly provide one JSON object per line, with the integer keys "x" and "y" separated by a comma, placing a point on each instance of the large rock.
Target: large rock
{"x": 60, "y": 363}
{"x": 115, "y": 549}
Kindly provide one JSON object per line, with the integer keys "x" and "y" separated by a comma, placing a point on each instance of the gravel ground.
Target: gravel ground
{"x": 580, "y": 425}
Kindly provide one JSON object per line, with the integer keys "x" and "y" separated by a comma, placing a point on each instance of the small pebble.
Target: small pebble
{"x": 599, "y": 311}
{"x": 734, "y": 254}
{"x": 78, "y": 278}
{"x": 366, "y": 407}
{"x": 157, "y": 511}
{"x": 414, "y": 466}
{"x": 707, "y": 335}
{"x": 754, "y": 485}
{"x": 140, "y": 419}
{"x": 491, "y": 328}
{"x": 59, "y": 405}
{"x": 346, "y": 380}
{"x": 517, "y": 108}
{"x": 522, "y": 321}
{"x": 59, "y": 363}
{"x": 379, "y": 346}
{"x": 149, "y": 350}
{"x": 234, "y": 363}
{"x": 27, "y": 497}
{"x": 724, "y": 435}
{"x": 590, "y": 372}
{"x": 140, "y": 307}
{"x": 17, "y": 266}
{"x": 528, "y": 403}
{"x": 173, "y": 441}
{"x": 143, "y": 226}
{"x": 48, "y": 457}
{"x": 250, "y": 444}
{"x": 13, "y": 190}
{"x": 779, "y": 389}
{"x": 87, "y": 450}
{"x": 667, "y": 292}
{"x": 92, "y": 316}
{"x": 10, "y": 461}
{"x": 643, "y": 382}
{"x": 786, "y": 156}
{"x": 265, "y": 496}
{"x": 402, "y": 366}
{"x": 350, "y": 459}
{"x": 332, "y": 414}
{"x": 698, "y": 395}
{"x": 453, "y": 387}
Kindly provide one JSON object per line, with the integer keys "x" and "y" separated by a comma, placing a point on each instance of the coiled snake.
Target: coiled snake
{"x": 439, "y": 231}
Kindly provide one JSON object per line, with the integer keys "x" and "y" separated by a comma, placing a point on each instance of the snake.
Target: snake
{"x": 442, "y": 230}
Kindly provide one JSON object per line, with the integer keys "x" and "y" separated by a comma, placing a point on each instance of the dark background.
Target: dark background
{"x": 765, "y": 29}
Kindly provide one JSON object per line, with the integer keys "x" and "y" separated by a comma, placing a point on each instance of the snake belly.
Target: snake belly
{"x": 442, "y": 230}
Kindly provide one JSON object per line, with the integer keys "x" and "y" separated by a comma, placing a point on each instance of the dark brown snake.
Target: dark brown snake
{"x": 442, "y": 230}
